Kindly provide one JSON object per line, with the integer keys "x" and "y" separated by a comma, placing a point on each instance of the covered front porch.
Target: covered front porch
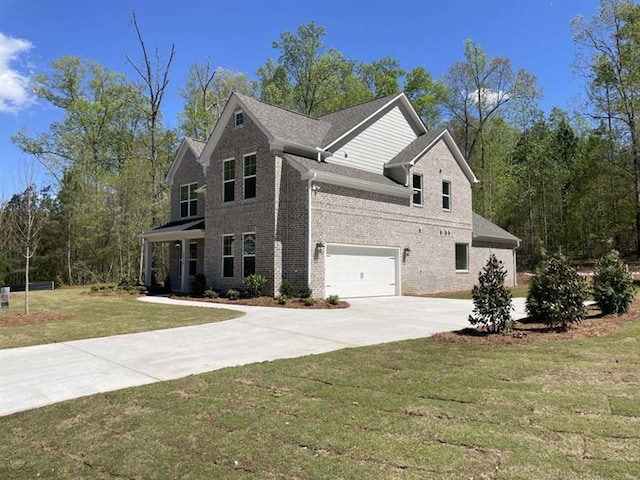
{"x": 186, "y": 257}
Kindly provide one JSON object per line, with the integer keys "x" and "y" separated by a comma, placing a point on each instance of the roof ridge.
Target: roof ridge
{"x": 279, "y": 107}
{"x": 392, "y": 95}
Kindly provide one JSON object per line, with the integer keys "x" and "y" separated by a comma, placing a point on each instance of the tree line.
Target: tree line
{"x": 561, "y": 181}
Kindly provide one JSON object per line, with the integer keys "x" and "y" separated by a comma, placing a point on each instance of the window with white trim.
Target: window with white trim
{"x": 227, "y": 256}
{"x": 417, "y": 189}
{"x": 188, "y": 200}
{"x": 248, "y": 254}
{"x": 462, "y": 257}
{"x": 228, "y": 180}
{"x": 239, "y": 118}
{"x": 250, "y": 175}
{"x": 446, "y": 195}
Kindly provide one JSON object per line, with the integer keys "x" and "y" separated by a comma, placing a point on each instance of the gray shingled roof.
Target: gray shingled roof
{"x": 412, "y": 150}
{"x": 483, "y": 229}
{"x": 285, "y": 124}
{"x": 178, "y": 226}
{"x": 196, "y": 145}
{"x": 342, "y": 170}
{"x": 344, "y": 120}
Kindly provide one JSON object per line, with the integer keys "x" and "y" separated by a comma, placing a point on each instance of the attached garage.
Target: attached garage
{"x": 361, "y": 271}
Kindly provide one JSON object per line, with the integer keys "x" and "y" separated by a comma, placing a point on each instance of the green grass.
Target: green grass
{"x": 97, "y": 316}
{"x": 518, "y": 291}
{"x": 418, "y": 409}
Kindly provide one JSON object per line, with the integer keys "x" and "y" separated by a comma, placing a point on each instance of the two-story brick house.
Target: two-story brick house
{"x": 364, "y": 201}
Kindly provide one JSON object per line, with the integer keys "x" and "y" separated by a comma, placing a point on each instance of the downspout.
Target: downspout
{"x": 310, "y": 249}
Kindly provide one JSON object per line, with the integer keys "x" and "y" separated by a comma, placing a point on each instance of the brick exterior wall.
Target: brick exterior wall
{"x": 189, "y": 171}
{"x": 346, "y": 216}
{"x": 241, "y": 216}
{"x": 480, "y": 254}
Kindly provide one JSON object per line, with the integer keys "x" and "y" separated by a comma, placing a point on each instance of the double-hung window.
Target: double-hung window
{"x": 227, "y": 256}
{"x": 238, "y": 118}
{"x": 188, "y": 200}
{"x": 248, "y": 254}
{"x": 228, "y": 180}
{"x": 250, "y": 176}
{"x": 417, "y": 189}
{"x": 446, "y": 195}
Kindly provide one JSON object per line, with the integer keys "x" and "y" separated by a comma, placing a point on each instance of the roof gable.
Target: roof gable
{"x": 187, "y": 144}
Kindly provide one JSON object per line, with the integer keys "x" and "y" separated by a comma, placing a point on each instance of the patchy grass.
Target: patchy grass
{"x": 518, "y": 291}
{"x": 71, "y": 314}
{"x": 411, "y": 410}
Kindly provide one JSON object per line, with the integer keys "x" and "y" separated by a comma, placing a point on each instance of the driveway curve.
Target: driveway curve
{"x": 32, "y": 377}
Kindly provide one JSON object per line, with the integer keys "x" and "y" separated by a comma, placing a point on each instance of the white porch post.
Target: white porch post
{"x": 148, "y": 263}
{"x": 184, "y": 284}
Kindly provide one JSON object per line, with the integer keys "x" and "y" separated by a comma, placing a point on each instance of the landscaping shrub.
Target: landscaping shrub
{"x": 557, "y": 294}
{"x": 333, "y": 299}
{"x": 198, "y": 285}
{"x": 281, "y": 299}
{"x": 233, "y": 294}
{"x": 612, "y": 284}
{"x": 305, "y": 292}
{"x": 491, "y": 300}
{"x": 254, "y": 284}
{"x": 286, "y": 288}
{"x": 308, "y": 301}
{"x": 210, "y": 293}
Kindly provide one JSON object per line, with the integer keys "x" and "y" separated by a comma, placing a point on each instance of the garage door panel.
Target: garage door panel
{"x": 360, "y": 271}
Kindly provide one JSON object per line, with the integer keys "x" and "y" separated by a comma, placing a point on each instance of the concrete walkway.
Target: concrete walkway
{"x": 32, "y": 377}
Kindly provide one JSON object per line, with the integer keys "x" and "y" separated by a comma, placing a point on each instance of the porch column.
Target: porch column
{"x": 148, "y": 262}
{"x": 184, "y": 284}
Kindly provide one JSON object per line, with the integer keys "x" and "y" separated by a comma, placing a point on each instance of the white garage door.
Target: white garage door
{"x": 352, "y": 271}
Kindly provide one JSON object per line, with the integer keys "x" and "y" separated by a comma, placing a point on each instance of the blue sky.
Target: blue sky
{"x": 534, "y": 34}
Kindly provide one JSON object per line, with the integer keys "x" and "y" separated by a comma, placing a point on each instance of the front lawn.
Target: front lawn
{"x": 419, "y": 409}
{"x": 72, "y": 313}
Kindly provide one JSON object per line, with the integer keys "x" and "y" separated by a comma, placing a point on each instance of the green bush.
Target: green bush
{"x": 210, "y": 293}
{"x": 233, "y": 294}
{"x": 612, "y": 284}
{"x": 286, "y": 288}
{"x": 333, "y": 299}
{"x": 281, "y": 299}
{"x": 491, "y": 300}
{"x": 254, "y": 284}
{"x": 308, "y": 301}
{"x": 305, "y": 292}
{"x": 198, "y": 285}
{"x": 557, "y": 294}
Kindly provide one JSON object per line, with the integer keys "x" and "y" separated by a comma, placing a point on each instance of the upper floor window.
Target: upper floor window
{"x": 446, "y": 195}
{"x": 248, "y": 254}
{"x": 250, "y": 176}
{"x": 228, "y": 180}
{"x": 227, "y": 255}
{"x": 239, "y": 118}
{"x": 417, "y": 189}
{"x": 188, "y": 200}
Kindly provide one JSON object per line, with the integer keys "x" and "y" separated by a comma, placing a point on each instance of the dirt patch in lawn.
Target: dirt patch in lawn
{"x": 269, "y": 302}
{"x": 529, "y": 331}
{"x": 33, "y": 318}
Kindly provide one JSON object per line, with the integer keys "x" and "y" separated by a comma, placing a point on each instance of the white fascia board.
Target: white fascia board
{"x": 173, "y": 236}
{"x": 400, "y": 97}
{"x": 356, "y": 183}
{"x": 177, "y": 160}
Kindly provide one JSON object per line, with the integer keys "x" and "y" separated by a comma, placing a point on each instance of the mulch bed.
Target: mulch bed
{"x": 528, "y": 331}
{"x": 33, "y": 318}
{"x": 268, "y": 302}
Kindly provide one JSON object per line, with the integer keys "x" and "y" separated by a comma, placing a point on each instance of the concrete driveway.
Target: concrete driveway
{"x": 32, "y": 377}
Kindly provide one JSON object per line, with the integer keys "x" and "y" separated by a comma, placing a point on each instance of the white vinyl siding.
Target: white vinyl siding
{"x": 377, "y": 144}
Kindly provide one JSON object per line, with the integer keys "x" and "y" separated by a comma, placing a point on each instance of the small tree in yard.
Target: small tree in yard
{"x": 557, "y": 294}
{"x": 613, "y": 284}
{"x": 491, "y": 300}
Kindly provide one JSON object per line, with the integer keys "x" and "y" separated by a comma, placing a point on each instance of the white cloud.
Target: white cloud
{"x": 489, "y": 97}
{"x": 14, "y": 85}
